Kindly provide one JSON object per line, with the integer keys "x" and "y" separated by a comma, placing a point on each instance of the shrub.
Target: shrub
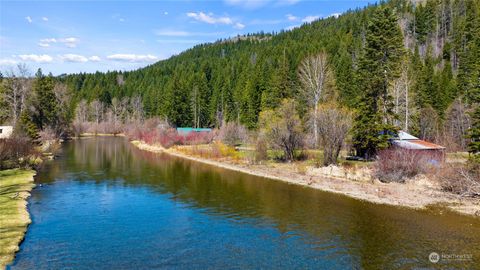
{"x": 15, "y": 152}
{"x": 395, "y": 165}
{"x": 261, "y": 153}
{"x": 282, "y": 127}
{"x": 232, "y": 133}
{"x": 462, "y": 180}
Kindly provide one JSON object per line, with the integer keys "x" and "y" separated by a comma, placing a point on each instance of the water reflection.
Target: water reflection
{"x": 219, "y": 218}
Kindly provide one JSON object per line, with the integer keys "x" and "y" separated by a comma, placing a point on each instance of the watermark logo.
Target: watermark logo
{"x": 434, "y": 257}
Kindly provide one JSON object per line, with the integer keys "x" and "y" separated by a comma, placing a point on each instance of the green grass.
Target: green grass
{"x": 15, "y": 187}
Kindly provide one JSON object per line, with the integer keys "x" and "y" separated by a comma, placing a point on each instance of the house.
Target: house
{"x": 6, "y": 132}
{"x": 187, "y": 130}
{"x": 410, "y": 142}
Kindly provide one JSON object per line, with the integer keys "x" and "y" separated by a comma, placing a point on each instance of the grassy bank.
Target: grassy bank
{"x": 353, "y": 180}
{"x": 15, "y": 187}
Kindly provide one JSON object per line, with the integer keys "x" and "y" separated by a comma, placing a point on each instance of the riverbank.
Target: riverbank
{"x": 418, "y": 193}
{"x": 15, "y": 188}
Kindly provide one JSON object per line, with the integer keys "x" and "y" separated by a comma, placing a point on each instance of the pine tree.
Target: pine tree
{"x": 44, "y": 102}
{"x": 378, "y": 67}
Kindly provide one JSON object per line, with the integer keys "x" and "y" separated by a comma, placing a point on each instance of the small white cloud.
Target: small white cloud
{"x": 134, "y": 58}
{"x": 45, "y": 19}
{"x": 70, "y": 42}
{"x": 74, "y": 58}
{"x": 239, "y": 26}
{"x": 48, "y": 40}
{"x": 94, "y": 58}
{"x": 165, "y": 13}
{"x": 121, "y": 20}
{"x": 29, "y": 19}
{"x": 44, "y": 58}
{"x": 310, "y": 18}
{"x": 8, "y": 62}
{"x": 291, "y": 18}
{"x": 209, "y": 18}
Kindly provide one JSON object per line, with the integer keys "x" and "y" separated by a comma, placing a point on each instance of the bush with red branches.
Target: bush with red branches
{"x": 397, "y": 164}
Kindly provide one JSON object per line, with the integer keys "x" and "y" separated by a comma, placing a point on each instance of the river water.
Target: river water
{"x": 103, "y": 204}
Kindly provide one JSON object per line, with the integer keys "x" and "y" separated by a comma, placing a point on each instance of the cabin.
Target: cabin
{"x": 6, "y": 132}
{"x": 407, "y": 141}
{"x": 187, "y": 130}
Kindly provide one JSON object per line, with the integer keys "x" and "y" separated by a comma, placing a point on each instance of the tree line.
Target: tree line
{"x": 395, "y": 65}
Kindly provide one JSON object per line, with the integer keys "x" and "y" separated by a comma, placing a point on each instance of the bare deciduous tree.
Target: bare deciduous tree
{"x": 403, "y": 107}
{"x": 457, "y": 123}
{"x": 136, "y": 106}
{"x": 96, "y": 110}
{"x": 316, "y": 77}
{"x": 15, "y": 91}
{"x": 333, "y": 126}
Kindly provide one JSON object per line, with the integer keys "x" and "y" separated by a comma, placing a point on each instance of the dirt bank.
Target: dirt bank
{"x": 417, "y": 193}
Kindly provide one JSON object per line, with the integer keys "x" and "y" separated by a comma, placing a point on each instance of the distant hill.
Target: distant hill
{"x": 238, "y": 77}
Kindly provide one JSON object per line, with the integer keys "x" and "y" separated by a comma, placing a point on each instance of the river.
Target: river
{"x": 103, "y": 204}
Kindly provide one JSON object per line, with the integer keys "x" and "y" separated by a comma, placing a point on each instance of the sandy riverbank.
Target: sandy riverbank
{"x": 419, "y": 193}
{"x": 15, "y": 188}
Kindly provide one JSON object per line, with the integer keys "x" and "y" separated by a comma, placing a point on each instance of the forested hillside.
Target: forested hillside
{"x": 431, "y": 90}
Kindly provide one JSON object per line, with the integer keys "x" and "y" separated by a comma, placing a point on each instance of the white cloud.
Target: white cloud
{"x": 8, "y": 62}
{"x": 310, "y": 18}
{"x": 121, "y": 20}
{"x": 134, "y": 58}
{"x": 94, "y": 58}
{"x": 74, "y": 58}
{"x": 45, "y": 19}
{"x": 165, "y": 13}
{"x": 44, "y": 58}
{"x": 209, "y": 18}
{"x": 29, "y": 19}
{"x": 48, "y": 40}
{"x": 291, "y": 18}
{"x": 70, "y": 42}
{"x": 239, "y": 26}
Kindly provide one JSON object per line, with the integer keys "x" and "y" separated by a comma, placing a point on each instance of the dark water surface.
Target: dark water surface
{"x": 106, "y": 205}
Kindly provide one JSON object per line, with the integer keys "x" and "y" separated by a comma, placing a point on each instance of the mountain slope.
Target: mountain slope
{"x": 237, "y": 78}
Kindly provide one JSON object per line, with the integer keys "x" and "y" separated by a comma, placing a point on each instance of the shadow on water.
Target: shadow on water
{"x": 164, "y": 212}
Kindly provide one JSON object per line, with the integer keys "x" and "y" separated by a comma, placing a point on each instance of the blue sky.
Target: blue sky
{"x": 86, "y": 36}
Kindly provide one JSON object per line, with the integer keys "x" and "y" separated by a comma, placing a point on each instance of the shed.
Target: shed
{"x": 187, "y": 130}
{"x": 6, "y": 132}
{"x": 410, "y": 142}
